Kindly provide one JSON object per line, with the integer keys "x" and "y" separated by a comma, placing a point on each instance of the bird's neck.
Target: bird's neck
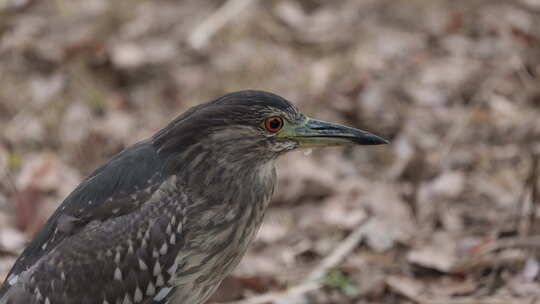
{"x": 229, "y": 198}
{"x": 228, "y": 175}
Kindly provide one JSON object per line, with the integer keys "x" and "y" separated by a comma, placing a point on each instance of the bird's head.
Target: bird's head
{"x": 248, "y": 125}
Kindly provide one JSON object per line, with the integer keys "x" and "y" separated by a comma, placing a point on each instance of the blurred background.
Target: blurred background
{"x": 445, "y": 214}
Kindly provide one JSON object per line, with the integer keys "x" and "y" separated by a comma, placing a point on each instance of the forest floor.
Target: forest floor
{"x": 444, "y": 214}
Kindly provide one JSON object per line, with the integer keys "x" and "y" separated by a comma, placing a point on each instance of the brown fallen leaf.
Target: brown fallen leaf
{"x": 391, "y": 220}
{"x": 440, "y": 254}
{"x": 405, "y": 286}
{"x": 11, "y": 240}
{"x": 42, "y": 175}
{"x": 452, "y": 286}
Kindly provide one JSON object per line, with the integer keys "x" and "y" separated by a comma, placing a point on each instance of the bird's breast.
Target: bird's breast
{"x": 218, "y": 232}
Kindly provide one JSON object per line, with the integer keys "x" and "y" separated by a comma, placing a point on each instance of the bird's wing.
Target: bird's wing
{"x": 120, "y": 186}
{"x": 129, "y": 258}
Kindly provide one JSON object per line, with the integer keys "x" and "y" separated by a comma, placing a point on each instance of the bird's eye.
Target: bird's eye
{"x": 273, "y": 123}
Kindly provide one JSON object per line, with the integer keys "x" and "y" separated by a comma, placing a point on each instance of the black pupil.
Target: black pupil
{"x": 275, "y": 123}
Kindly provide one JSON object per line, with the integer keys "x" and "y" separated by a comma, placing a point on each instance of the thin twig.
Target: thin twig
{"x": 475, "y": 300}
{"x": 339, "y": 254}
{"x": 528, "y": 199}
{"x": 407, "y": 288}
{"x": 534, "y": 188}
{"x": 200, "y": 37}
{"x": 527, "y": 242}
{"x": 313, "y": 280}
{"x": 292, "y": 292}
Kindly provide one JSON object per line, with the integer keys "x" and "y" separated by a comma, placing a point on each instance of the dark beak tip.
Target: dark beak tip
{"x": 373, "y": 139}
{"x": 376, "y": 141}
{"x": 319, "y": 128}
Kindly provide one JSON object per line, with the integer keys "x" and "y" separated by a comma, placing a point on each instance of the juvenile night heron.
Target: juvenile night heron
{"x": 165, "y": 220}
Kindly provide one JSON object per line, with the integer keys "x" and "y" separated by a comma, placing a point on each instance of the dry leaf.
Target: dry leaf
{"x": 11, "y": 239}
{"x": 408, "y": 287}
{"x": 451, "y": 286}
{"x": 439, "y": 255}
{"x": 392, "y": 219}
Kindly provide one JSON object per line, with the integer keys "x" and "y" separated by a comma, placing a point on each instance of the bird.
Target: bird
{"x": 165, "y": 220}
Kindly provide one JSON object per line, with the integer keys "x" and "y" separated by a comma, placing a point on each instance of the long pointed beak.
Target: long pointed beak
{"x": 317, "y": 133}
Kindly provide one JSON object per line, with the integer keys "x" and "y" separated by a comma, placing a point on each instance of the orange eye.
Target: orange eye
{"x": 273, "y": 123}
